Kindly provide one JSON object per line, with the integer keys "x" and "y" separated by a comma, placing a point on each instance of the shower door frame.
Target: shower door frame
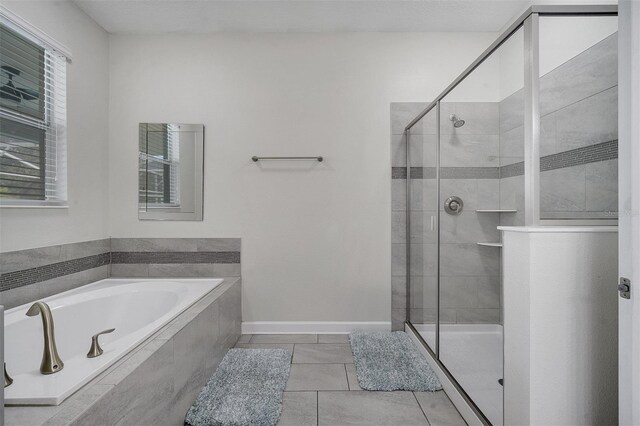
{"x": 529, "y": 21}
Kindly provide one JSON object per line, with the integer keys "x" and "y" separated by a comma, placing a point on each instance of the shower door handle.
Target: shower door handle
{"x": 433, "y": 223}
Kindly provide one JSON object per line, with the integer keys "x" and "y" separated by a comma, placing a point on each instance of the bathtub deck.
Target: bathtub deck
{"x": 323, "y": 389}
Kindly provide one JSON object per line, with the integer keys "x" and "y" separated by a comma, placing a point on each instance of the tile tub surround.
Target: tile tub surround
{"x": 159, "y": 380}
{"x": 175, "y": 257}
{"x": 28, "y": 275}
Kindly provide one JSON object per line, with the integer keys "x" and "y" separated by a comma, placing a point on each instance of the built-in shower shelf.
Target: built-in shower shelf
{"x": 490, "y": 244}
{"x": 496, "y": 211}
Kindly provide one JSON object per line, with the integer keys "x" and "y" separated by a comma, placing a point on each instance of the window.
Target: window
{"x": 32, "y": 119}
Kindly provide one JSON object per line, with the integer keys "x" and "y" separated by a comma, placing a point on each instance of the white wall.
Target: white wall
{"x": 315, "y": 237}
{"x": 87, "y": 98}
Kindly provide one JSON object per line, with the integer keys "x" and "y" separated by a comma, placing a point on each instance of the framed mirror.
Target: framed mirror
{"x": 171, "y": 170}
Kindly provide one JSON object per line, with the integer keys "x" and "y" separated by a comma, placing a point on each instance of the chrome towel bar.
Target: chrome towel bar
{"x": 256, "y": 158}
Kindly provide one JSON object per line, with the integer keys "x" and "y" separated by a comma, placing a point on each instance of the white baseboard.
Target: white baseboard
{"x": 458, "y": 400}
{"x": 312, "y": 327}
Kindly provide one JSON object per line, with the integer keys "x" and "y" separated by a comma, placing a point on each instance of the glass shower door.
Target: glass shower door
{"x": 422, "y": 218}
{"x": 481, "y": 150}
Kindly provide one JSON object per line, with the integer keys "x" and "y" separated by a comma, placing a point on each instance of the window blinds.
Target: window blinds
{"x": 32, "y": 118}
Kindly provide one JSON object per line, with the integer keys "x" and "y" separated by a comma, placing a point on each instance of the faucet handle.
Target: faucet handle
{"x": 95, "y": 349}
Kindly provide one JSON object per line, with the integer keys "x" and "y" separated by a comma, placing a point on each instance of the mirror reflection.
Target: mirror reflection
{"x": 170, "y": 171}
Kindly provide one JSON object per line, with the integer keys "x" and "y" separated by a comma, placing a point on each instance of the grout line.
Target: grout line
{"x": 347, "y": 374}
{"x": 421, "y": 409}
{"x": 317, "y": 408}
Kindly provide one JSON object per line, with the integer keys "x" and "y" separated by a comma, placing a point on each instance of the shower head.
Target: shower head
{"x": 456, "y": 121}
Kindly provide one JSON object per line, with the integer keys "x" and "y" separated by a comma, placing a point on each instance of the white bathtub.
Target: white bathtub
{"x": 136, "y": 308}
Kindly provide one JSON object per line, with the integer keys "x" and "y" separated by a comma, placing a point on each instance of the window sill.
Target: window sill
{"x": 33, "y": 206}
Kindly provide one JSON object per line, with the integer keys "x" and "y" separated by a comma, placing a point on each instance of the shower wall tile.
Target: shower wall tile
{"x": 469, "y": 227}
{"x": 488, "y": 193}
{"x": 423, "y": 259}
{"x": 458, "y": 292}
{"x": 421, "y": 227}
{"x": 422, "y": 230}
{"x": 398, "y": 292}
{"x": 398, "y": 260}
{"x": 511, "y": 112}
{"x": 489, "y": 292}
{"x": 398, "y": 194}
{"x": 423, "y": 194}
{"x": 422, "y": 150}
{"x": 398, "y": 226}
{"x": 398, "y": 151}
{"x": 563, "y": 190}
{"x": 424, "y": 292}
{"x": 469, "y": 260}
{"x": 590, "y": 121}
{"x": 591, "y": 72}
{"x": 403, "y": 112}
{"x": 512, "y": 146}
{"x": 398, "y": 317}
{"x": 602, "y": 186}
{"x": 460, "y": 150}
{"x": 548, "y": 143}
{"x": 512, "y": 193}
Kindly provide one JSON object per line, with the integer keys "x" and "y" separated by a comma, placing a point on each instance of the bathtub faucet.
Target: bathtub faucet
{"x": 51, "y": 362}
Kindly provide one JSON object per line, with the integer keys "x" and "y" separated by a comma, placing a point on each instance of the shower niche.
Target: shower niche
{"x": 527, "y": 136}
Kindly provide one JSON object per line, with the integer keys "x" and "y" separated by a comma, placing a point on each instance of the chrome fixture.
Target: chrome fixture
{"x": 51, "y": 362}
{"x": 457, "y": 122}
{"x": 255, "y": 158}
{"x": 453, "y": 205}
{"x": 7, "y": 379}
{"x": 95, "y": 349}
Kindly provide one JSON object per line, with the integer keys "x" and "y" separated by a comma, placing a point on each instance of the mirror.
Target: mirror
{"x": 170, "y": 164}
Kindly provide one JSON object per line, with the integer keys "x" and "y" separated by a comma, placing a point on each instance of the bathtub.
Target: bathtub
{"x": 136, "y": 308}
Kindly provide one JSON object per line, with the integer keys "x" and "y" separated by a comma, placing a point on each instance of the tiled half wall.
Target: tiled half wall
{"x": 29, "y": 275}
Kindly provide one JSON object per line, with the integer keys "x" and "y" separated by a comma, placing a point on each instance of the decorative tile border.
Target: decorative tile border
{"x": 38, "y": 274}
{"x": 137, "y": 257}
{"x": 588, "y": 154}
{"x": 447, "y": 172}
{"x": 166, "y": 256}
{"x": 575, "y": 157}
{"x": 510, "y": 170}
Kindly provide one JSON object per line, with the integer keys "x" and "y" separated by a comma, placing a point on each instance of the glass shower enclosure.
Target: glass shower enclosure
{"x": 526, "y": 136}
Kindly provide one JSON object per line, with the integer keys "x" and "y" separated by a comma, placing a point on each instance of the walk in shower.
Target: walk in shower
{"x": 526, "y": 136}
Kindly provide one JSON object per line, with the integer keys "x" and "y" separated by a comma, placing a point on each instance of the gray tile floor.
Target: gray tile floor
{"x": 323, "y": 389}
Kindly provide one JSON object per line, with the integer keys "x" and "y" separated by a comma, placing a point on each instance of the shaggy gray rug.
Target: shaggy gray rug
{"x": 388, "y": 361}
{"x": 245, "y": 390}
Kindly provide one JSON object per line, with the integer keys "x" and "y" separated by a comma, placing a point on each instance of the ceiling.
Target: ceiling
{"x": 206, "y": 16}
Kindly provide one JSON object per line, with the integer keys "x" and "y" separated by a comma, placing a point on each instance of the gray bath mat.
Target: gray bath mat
{"x": 388, "y": 361}
{"x": 245, "y": 390}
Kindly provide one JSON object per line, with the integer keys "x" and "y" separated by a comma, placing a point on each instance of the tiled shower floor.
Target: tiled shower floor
{"x": 323, "y": 389}
{"x": 473, "y": 354}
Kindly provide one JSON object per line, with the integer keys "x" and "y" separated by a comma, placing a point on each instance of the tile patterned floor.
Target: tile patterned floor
{"x": 323, "y": 389}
